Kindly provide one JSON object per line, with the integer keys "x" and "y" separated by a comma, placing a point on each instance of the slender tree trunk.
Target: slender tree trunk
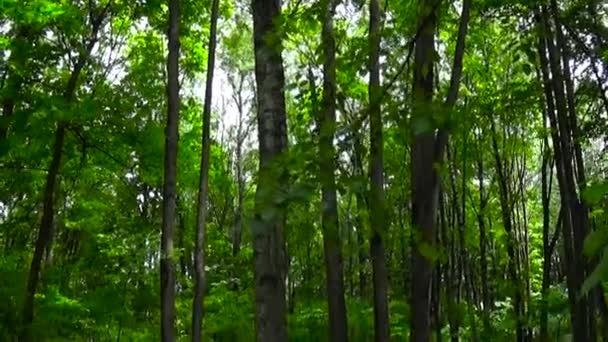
{"x": 428, "y": 150}
{"x": 436, "y": 295}
{"x": 570, "y": 96}
{"x": 483, "y": 201}
{"x": 361, "y": 255}
{"x": 525, "y": 250}
{"x": 495, "y": 274}
{"x": 167, "y": 265}
{"x": 455, "y": 255}
{"x": 443, "y": 241}
{"x": 268, "y": 228}
{"x": 599, "y": 291}
{"x": 361, "y": 204}
{"x": 545, "y": 196}
{"x": 201, "y": 213}
{"x": 45, "y": 232}
{"x": 582, "y": 209}
{"x": 350, "y": 260}
{"x": 181, "y": 231}
{"x": 506, "y": 209}
{"x": 402, "y": 251}
{"x": 376, "y": 174}
{"x": 329, "y": 204}
{"x": 238, "y": 216}
{"x": 572, "y": 230}
{"x": 548, "y": 243}
{"x": 423, "y": 202}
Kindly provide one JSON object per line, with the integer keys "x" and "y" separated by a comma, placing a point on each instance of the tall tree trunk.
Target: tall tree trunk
{"x": 428, "y": 150}
{"x": 269, "y": 219}
{"x": 442, "y": 240}
{"x": 483, "y": 245}
{"x": 241, "y": 136}
{"x": 167, "y": 267}
{"x": 376, "y": 174}
{"x": 201, "y": 213}
{"x": 361, "y": 205}
{"x": 525, "y": 249}
{"x": 581, "y": 179}
{"x": 403, "y": 263}
{"x": 238, "y": 215}
{"x": 506, "y": 210}
{"x": 361, "y": 251}
{"x": 454, "y": 280}
{"x": 184, "y": 261}
{"x": 573, "y": 225}
{"x": 45, "y": 232}
{"x": 562, "y": 45}
{"x": 423, "y": 202}
{"x": 436, "y": 280}
{"x": 329, "y": 204}
{"x": 545, "y": 197}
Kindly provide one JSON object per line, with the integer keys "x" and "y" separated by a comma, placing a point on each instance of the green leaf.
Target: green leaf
{"x": 599, "y": 274}
{"x": 595, "y": 192}
{"x": 596, "y": 241}
{"x": 421, "y": 125}
{"x": 429, "y": 252}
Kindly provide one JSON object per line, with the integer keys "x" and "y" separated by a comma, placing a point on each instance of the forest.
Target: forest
{"x": 304, "y": 170}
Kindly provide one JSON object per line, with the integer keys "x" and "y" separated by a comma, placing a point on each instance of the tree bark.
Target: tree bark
{"x": 424, "y": 205}
{"x": 570, "y": 95}
{"x": 241, "y": 135}
{"x": 545, "y": 197}
{"x": 573, "y": 220}
{"x": 361, "y": 205}
{"x": 269, "y": 218}
{"x": 45, "y": 231}
{"x": 184, "y": 261}
{"x": 201, "y": 213}
{"x": 167, "y": 265}
{"x": 454, "y": 280}
{"x": 582, "y": 209}
{"x": 376, "y": 174}
{"x": 442, "y": 240}
{"x": 329, "y": 204}
{"x": 427, "y": 150}
{"x": 483, "y": 245}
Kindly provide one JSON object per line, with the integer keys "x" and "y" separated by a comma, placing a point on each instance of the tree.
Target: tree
{"x": 573, "y": 226}
{"x": 427, "y": 150}
{"x": 201, "y": 218}
{"x": 376, "y": 192}
{"x": 329, "y": 205}
{"x": 507, "y": 221}
{"x": 269, "y": 226}
{"x": 45, "y": 232}
{"x": 167, "y": 267}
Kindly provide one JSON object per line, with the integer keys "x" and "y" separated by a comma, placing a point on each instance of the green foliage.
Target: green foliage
{"x": 596, "y": 243}
{"x": 229, "y": 314}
